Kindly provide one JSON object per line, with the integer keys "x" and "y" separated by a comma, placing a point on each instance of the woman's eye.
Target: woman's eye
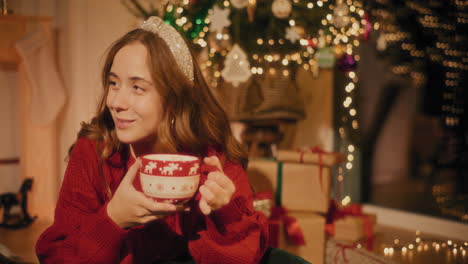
{"x": 138, "y": 88}
{"x": 112, "y": 84}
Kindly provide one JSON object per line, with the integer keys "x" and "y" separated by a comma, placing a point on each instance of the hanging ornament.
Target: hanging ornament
{"x": 251, "y": 9}
{"x": 239, "y": 4}
{"x": 381, "y": 42}
{"x": 281, "y": 8}
{"x": 346, "y": 63}
{"x": 236, "y": 66}
{"x": 219, "y": 41}
{"x": 292, "y": 34}
{"x": 322, "y": 41}
{"x": 325, "y": 57}
{"x": 219, "y": 19}
{"x": 340, "y": 15}
{"x": 312, "y": 43}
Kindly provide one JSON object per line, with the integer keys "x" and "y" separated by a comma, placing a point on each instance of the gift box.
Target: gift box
{"x": 298, "y": 187}
{"x": 345, "y": 253}
{"x": 313, "y": 155}
{"x": 350, "y": 224}
{"x": 313, "y": 230}
{"x": 353, "y": 228}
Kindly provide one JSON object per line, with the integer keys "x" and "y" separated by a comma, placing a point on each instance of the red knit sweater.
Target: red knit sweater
{"x": 82, "y": 231}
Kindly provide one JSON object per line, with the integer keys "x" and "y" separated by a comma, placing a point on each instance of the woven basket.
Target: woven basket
{"x": 264, "y": 97}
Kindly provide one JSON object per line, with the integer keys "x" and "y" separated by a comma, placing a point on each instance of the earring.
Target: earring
{"x": 173, "y": 122}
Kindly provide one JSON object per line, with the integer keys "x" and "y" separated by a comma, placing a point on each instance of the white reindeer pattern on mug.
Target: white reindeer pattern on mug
{"x": 149, "y": 167}
{"x": 193, "y": 169}
{"x": 169, "y": 169}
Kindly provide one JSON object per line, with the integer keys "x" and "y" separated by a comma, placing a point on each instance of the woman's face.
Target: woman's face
{"x": 133, "y": 100}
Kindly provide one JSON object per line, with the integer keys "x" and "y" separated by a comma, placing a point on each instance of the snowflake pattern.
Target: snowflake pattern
{"x": 292, "y": 35}
{"x": 219, "y": 19}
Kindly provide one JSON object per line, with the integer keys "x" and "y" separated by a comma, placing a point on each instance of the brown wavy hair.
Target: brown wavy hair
{"x": 198, "y": 120}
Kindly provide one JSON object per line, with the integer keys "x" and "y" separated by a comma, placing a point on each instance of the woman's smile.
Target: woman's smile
{"x": 123, "y": 123}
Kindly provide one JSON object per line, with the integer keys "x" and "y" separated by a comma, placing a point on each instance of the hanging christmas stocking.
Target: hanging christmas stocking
{"x": 48, "y": 93}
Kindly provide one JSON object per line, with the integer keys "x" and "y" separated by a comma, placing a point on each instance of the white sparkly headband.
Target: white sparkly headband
{"x": 174, "y": 41}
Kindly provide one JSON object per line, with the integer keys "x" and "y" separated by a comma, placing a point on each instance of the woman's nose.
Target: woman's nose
{"x": 119, "y": 100}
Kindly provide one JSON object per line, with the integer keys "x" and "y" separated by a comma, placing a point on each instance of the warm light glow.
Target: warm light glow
{"x": 292, "y": 23}
{"x": 396, "y": 241}
{"x": 350, "y": 157}
{"x": 350, "y": 148}
{"x": 352, "y": 112}
{"x": 285, "y": 62}
{"x": 310, "y": 5}
{"x": 346, "y": 200}
{"x": 349, "y": 165}
{"x": 320, "y": 3}
{"x": 349, "y": 87}
{"x": 285, "y": 73}
{"x": 376, "y": 25}
{"x": 351, "y": 74}
{"x": 260, "y": 70}
{"x": 259, "y": 41}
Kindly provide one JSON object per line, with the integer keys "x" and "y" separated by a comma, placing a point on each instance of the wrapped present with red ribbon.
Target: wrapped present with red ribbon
{"x": 278, "y": 217}
{"x": 350, "y": 224}
{"x": 312, "y": 226}
{"x": 313, "y": 155}
{"x": 298, "y": 187}
{"x": 300, "y": 233}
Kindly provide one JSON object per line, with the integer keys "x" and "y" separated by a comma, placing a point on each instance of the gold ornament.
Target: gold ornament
{"x": 251, "y": 9}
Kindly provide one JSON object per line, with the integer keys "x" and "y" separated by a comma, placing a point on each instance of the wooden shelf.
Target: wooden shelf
{"x": 13, "y": 28}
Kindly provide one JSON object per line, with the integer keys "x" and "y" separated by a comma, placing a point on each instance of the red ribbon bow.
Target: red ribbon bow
{"x": 320, "y": 152}
{"x": 335, "y": 213}
{"x": 291, "y": 226}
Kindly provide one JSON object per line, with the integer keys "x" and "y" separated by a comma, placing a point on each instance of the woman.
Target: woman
{"x": 155, "y": 101}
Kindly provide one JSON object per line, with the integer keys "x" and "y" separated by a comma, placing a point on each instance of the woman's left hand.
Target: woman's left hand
{"x": 217, "y": 190}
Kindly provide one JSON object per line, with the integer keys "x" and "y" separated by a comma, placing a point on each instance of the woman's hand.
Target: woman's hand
{"x": 217, "y": 190}
{"x": 129, "y": 207}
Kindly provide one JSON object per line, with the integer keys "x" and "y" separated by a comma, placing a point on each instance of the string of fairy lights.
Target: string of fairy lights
{"x": 454, "y": 251}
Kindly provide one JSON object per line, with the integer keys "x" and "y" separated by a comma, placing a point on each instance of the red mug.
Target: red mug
{"x": 170, "y": 178}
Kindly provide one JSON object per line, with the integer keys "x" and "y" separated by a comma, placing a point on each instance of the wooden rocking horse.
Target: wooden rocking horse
{"x": 9, "y": 200}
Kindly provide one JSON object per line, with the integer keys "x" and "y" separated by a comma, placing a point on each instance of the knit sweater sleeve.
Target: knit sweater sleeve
{"x": 234, "y": 233}
{"x": 82, "y": 232}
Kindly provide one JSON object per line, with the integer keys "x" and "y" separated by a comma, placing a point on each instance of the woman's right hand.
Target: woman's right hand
{"x": 129, "y": 207}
